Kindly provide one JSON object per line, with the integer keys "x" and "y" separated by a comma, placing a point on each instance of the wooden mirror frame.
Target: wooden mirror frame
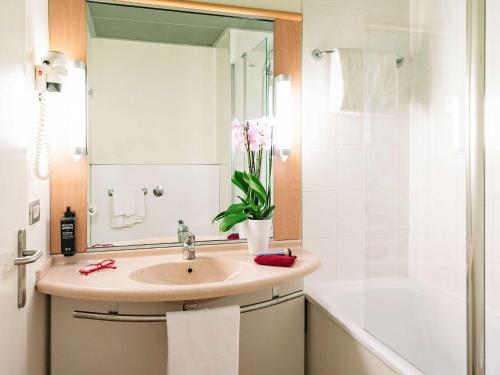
{"x": 69, "y": 178}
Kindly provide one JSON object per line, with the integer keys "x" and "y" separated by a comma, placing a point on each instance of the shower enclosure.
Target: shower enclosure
{"x": 418, "y": 268}
{"x": 424, "y": 195}
{"x": 416, "y": 192}
{"x": 425, "y": 214}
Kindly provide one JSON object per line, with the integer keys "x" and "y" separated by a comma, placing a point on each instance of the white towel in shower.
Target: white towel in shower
{"x": 363, "y": 82}
{"x": 346, "y": 81}
{"x": 204, "y": 342}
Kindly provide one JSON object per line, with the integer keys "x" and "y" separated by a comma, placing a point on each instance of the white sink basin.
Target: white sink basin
{"x": 197, "y": 271}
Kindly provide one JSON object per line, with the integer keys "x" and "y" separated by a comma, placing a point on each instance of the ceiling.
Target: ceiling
{"x": 163, "y": 26}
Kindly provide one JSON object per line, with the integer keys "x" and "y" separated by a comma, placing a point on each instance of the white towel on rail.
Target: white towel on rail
{"x": 203, "y": 342}
{"x": 363, "y": 82}
{"x": 140, "y": 209}
{"x": 346, "y": 81}
{"x": 128, "y": 208}
{"x": 123, "y": 202}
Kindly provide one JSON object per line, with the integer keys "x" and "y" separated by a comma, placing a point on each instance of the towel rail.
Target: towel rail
{"x": 318, "y": 55}
{"x": 110, "y": 192}
{"x": 110, "y": 317}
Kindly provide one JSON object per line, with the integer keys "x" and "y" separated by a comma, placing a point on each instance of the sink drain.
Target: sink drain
{"x": 190, "y": 270}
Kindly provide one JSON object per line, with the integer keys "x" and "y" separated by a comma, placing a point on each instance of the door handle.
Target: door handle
{"x": 24, "y": 257}
{"x": 27, "y": 257}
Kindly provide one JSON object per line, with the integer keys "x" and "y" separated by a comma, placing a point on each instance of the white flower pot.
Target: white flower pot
{"x": 241, "y": 230}
{"x": 257, "y": 233}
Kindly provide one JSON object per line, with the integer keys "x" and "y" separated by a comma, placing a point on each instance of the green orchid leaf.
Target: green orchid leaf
{"x": 256, "y": 186}
{"x": 266, "y": 214}
{"x": 219, "y": 216}
{"x": 235, "y": 208}
{"x": 238, "y": 179}
{"x": 231, "y": 220}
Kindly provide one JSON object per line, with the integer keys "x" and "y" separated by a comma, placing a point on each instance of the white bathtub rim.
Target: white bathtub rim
{"x": 390, "y": 358}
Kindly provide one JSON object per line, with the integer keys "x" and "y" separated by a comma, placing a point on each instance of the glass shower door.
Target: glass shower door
{"x": 492, "y": 188}
{"x": 252, "y": 78}
{"x": 415, "y": 189}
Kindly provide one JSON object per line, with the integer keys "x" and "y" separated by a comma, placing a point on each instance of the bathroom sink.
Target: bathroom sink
{"x": 197, "y": 271}
{"x": 159, "y": 275}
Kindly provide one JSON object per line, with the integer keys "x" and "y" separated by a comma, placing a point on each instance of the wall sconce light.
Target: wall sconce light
{"x": 283, "y": 114}
{"x": 76, "y": 96}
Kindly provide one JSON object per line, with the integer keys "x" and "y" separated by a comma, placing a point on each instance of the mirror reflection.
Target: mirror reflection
{"x": 164, "y": 87}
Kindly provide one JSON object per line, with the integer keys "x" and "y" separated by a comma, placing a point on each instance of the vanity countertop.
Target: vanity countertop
{"x": 139, "y": 274}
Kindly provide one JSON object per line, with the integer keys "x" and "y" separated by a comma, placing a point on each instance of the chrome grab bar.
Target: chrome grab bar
{"x": 28, "y": 256}
{"x": 318, "y": 55}
{"x": 162, "y": 318}
{"x": 111, "y": 192}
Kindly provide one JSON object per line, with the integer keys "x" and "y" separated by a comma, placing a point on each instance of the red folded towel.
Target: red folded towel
{"x": 275, "y": 260}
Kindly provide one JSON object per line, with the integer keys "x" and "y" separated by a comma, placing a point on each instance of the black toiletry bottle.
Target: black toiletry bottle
{"x": 68, "y": 233}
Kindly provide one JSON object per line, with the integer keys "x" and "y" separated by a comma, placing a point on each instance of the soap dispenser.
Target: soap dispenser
{"x": 68, "y": 233}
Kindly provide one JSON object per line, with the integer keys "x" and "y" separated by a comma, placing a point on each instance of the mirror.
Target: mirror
{"x": 164, "y": 86}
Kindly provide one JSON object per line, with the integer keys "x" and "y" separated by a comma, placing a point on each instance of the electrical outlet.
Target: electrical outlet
{"x": 34, "y": 213}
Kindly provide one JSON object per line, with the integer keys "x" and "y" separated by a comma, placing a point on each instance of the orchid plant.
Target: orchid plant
{"x": 255, "y": 139}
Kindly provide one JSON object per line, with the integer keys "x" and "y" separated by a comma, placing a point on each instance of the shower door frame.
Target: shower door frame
{"x": 475, "y": 194}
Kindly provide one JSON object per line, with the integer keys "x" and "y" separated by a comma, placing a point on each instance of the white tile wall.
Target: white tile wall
{"x": 350, "y": 166}
{"x": 350, "y": 258}
{"x": 320, "y": 214}
{"x": 319, "y": 166}
{"x": 350, "y": 212}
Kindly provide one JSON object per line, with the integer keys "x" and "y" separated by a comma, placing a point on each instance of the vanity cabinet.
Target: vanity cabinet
{"x": 271, "y": 338}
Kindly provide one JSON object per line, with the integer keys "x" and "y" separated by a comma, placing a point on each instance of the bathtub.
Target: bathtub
{"x": 410, "y": 327}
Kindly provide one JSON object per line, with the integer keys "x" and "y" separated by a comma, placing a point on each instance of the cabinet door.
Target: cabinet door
{"x": 271, "y": 341}
{"x": 91, "y": 347}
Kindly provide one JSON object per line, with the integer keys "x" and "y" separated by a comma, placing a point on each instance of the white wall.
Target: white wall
{"x": 354, "y": 167}
{"x": 153, "y": 103}
{"x": 23, "y": 349}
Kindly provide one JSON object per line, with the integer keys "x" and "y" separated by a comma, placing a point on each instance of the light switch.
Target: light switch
{"x": 34, "y": 214}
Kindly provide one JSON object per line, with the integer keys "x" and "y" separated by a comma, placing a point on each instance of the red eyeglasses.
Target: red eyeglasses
{"x": 89, "y": 268}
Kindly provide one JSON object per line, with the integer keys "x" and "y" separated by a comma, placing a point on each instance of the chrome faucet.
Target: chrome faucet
{"x": 188, "y": 246}
{"x": 182, "y": 230}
